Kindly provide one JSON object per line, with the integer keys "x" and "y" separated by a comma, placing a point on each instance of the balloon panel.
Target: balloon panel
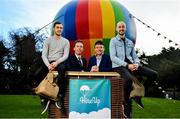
{"x": 106, "y": 45}
{"x": 95, "y": 25}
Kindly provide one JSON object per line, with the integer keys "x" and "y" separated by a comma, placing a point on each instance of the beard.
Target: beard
{"x": 121, "y": 33}
{"x": 57, "y": 33}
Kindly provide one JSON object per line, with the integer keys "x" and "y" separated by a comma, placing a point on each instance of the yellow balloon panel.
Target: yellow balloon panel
{"x": 108, "y": 19}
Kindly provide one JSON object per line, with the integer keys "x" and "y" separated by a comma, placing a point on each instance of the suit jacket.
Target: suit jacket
{"x": 73, "y": 64}
{"x": 105, "y": 64}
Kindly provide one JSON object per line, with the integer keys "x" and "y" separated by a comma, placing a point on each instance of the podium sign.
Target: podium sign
{"x": 89, "y": 98}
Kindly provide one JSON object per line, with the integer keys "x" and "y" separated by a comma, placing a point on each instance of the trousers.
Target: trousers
{"x": 127, "y": 76}
{"x": 41, "y": 73}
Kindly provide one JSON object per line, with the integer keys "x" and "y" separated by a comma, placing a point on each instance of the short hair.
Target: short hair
{"x": 57, "y": 22}
{"x": 121, "y": 22}
{"x": 99, "y": 42}
{"x": 78, "y": 41}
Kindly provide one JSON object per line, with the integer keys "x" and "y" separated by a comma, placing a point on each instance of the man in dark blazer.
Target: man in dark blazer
{"x": 76, "y": 62}
{"x": 100, "y": 62}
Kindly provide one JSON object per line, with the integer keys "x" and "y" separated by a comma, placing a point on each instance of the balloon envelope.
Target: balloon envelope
{"x": 92, "y": 20}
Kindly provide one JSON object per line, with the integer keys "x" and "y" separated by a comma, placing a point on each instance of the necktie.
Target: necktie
{"x": 79, "y": 60}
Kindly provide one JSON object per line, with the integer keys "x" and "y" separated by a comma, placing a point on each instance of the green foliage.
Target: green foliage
{"x": 24, "y": 49}
{"x": 167, "y": 64}
{"x": 4, "y": 52}
{"x": 22, "y": 54}
{"x": 169, "y": 73}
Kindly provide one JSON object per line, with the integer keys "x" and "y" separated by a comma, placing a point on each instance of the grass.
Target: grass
{"x": 157, "y": 108}
{"x": 28, "y": 106}
{"x": 20, "y": 106}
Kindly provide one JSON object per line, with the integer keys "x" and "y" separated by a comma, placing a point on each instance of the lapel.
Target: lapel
{"x": 94, "y": 60}
{"x": 77, "y": 61}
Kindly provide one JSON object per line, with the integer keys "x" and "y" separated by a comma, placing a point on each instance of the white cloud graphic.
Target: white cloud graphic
{"x": 104, "y": 113}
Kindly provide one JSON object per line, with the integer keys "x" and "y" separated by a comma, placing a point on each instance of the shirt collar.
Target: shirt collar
{"x": 77, "y": 56}
{"x": 118, "y": 38}
{"x": 99, "y": 57}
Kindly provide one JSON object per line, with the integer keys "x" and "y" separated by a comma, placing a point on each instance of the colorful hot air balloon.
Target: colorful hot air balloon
{"x": 92, "y": 20}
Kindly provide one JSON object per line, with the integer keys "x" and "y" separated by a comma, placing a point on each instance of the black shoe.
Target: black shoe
{"x": 59, "y": 104}
{"x": 44, "y": 105}
{"x": 126, "y": 110}
{"x": 138, "y": 101}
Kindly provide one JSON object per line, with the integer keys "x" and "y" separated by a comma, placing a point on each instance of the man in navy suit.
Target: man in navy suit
{"x": 100, "y": 62}
{"x": 76, "y": 62}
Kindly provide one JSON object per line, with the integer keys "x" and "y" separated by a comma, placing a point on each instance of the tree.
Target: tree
{"x": 24, "y": 55}
{"x": 167, "y": 64}
{"x": 3, "y": 53}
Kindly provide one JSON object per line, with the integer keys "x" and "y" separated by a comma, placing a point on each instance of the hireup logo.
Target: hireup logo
{"x": 85, "y": 90}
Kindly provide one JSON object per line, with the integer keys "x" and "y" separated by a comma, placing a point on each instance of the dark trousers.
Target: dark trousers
{"x": 127, "y": 76}
{"x": 41, "y": 73}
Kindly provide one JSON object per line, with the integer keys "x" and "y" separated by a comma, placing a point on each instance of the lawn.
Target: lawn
{"x": 157, "y": 108}
{"x": 28, "y": 106}
{"x": 20, "y": 106}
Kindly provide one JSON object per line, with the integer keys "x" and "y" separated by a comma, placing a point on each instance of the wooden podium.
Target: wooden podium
{"x": 116, "y": 93}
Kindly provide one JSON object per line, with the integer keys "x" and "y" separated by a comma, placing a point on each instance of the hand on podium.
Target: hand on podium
{"x": 95, "y": 68}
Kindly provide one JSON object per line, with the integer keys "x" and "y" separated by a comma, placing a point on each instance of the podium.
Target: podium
{"x": 117, "y": 96}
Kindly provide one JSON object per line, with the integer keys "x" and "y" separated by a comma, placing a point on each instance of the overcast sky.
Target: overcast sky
{"x": 162, "y": 15}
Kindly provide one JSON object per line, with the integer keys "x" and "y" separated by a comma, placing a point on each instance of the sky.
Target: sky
{"x": 162, "y": 15}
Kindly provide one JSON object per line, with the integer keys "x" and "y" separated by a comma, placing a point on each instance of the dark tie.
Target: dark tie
{"x": 79, "y": 60}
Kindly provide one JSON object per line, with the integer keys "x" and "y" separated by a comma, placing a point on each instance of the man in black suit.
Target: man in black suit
{"x": 76, "y": 62}
{"x": 100, "y": 62}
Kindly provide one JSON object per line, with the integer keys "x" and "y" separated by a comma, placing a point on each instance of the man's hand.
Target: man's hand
{"x": 133, "y": 67}
{"x": 54, "y": 64}
{"x": 136, "y": 66}
{"x": 50, "y": 67}
{"x": 94, "y": 68}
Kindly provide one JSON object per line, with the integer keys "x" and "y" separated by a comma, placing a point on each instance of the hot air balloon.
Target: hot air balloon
{"x": 92, "y": 20}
